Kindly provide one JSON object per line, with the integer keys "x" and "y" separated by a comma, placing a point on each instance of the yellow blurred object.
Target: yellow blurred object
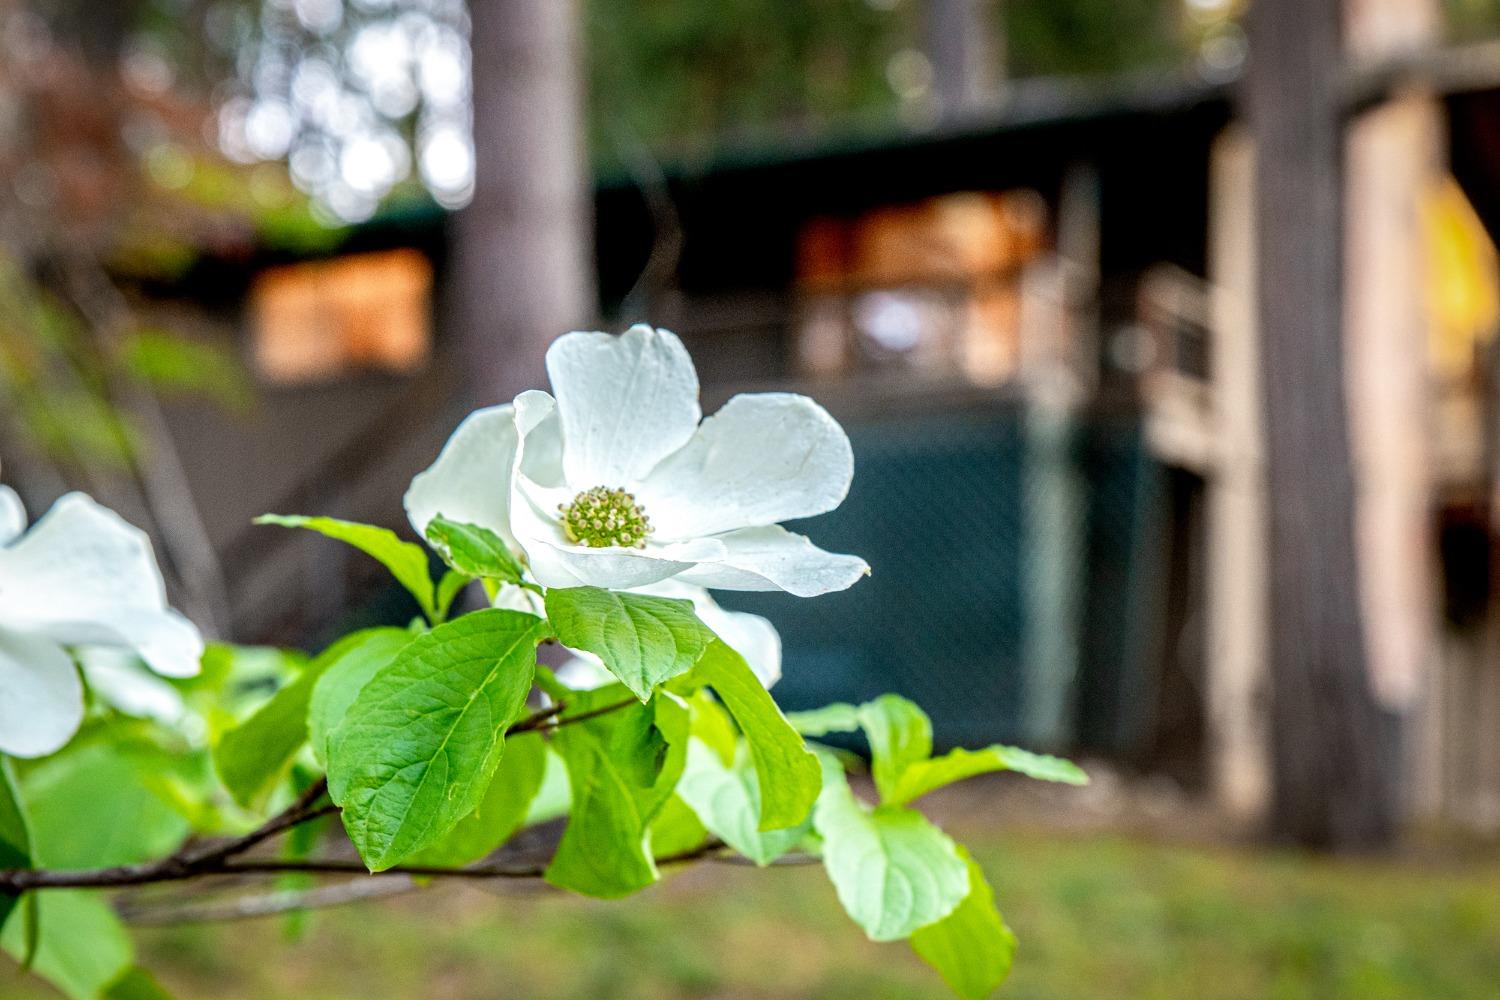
{"x": 1463, "y": 280}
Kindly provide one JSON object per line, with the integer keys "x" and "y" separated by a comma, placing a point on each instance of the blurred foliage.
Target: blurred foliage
{"x": 679, "y": 73}
{"x": 1100, "y": 916}
{"x": 237, "y": 209}
{"x": 673, "y": 75}
{"x": 60, "y": 386}
{"x": 1469, "y": 20}
{"x": 177, "y": 366}
{"x": 52, "y": 382}
{"x": 1086, "y": 37}
{"x": 111, "y": 192}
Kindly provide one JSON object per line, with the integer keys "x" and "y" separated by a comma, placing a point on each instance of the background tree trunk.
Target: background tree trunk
{"x": 521, "y": 267}
{"x": 1333, "y": 748}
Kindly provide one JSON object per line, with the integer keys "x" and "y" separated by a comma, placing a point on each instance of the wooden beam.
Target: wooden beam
{"x": 1444, "y": 69}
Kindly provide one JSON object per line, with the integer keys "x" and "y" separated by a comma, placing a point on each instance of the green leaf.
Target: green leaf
{"x": 31, "y": 931}
{"x": 676, "y": 829}
{"x": 971, "y": 948}
{"x": 713, "y": 725}
{"x": 672, "y": 722}
{"x": 15, "y": 834}
{"x": 406, "y": 560}
{"x": 419, "y": 745}
{"x": 622, "y": 767}
{"x": 253, "y": 756}
{"x": 97, "y": 805}
{"x": 893, "y": 870}
{"x": 473, "y": 551}
{"x": 900, "y": 735}
{"x": 642, "y": 640}
{"x": 503, "y": 809}
{"x": 354, "y": 660}
{"x": 789, "y": 773}
{"x": 555, "y": 796}
{"x": 233, "y": 678}
{"x": 449, "y": 587}
{"x": 840, "y": 717}
{"x": 135, "y": 984}
{"x": 727, "y": 801}
{"x": 83, "y": 947}
{"x": 925, "y": 776}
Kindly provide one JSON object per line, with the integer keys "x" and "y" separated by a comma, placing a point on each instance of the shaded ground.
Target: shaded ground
{"x": 1099, "y": 914}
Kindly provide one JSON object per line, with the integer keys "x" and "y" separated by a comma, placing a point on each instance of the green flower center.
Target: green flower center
{"x": 602, "y": 517}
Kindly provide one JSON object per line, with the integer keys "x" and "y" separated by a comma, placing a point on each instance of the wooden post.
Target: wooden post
{"x": 1394, "y": 162}
{"x": 521, "y": 269}
{"x": 1334, "y": 761}
{"x": 1237, "y": 687}
{"x": 1058, "y": 330}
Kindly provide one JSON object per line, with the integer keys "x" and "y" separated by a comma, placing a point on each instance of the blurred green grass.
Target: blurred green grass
{"x": 1098, "y": 916}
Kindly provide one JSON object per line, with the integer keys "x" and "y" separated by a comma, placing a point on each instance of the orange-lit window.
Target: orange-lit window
{"x": 322, "y": 320}
{"x": 932, "y": 285}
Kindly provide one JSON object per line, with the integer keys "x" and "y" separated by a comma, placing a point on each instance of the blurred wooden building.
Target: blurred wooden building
{"x": 964, "y": 298}
{"x": 1034, "y": 323}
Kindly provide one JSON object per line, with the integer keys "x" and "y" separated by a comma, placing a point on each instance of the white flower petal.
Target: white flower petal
{"x": 116, "y": 677}
{"x": 12, "y": 516}
{"x": 625, "y": 403}
{"x": 83, "y": 575}
{"x": 470, "y": 481}
{"x": 512, "y": 597}
{"x": 166, "y": 641}
{"x": 773, "y": 558}
{"x": 564, "y": 565}
{"x": 80, "y": 556}
{"x": 752, "y": 636}
{"x": 762, "y": 459}
{"x": 41, "y": 697}
{"x": 541, "y": 446}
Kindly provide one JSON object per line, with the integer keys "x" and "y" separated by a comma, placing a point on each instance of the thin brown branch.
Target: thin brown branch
{"x": 797, "y": 860}
{"x": 548, "y": 718}
{"x": 189, "y": 861}
{"x": 352, "y": 890}
{"x": 267, "y": 904}
{"x": 217, "y": 857}
{"x": 536, "y": 720}
{"x": 174, "y": 869}
{"x": 594, "y": 713}
{"x": 162, "y": 478}
{"x": 300, "y": 811}
{"x": 479, "y": 870}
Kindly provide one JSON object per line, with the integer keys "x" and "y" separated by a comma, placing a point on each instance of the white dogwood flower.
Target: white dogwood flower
{"x": 115, "y": 677}
{"x": 615, "y": 482}
{"x": 81, "y": 577}
{"x": 751, "y": 636}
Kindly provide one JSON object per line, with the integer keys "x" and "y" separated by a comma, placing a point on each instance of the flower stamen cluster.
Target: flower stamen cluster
{"x": 601, "y": 517}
